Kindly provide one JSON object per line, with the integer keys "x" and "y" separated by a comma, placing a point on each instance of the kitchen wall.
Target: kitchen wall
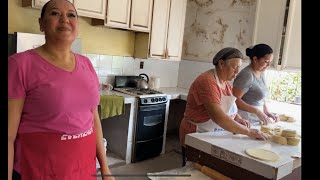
{"x": 108, "y": 66}
{"x": 210, "y": 26}
{"x": 190, "y": 70}
{"x": 214, "y": 24}
{"x": 95, "y": 40}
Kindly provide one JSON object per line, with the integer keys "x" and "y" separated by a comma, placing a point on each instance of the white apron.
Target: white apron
{"x": 228, "y": 106}
{"x": 253, "y": 118}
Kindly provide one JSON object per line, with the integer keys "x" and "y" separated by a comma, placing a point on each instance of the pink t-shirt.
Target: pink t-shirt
{"x": 55, "y": 100}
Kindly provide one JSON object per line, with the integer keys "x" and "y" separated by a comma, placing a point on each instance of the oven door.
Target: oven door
{"x": 150, "y": 122}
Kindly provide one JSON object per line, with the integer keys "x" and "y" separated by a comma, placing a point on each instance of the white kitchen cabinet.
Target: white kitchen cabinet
{"x": 284, "y": 36}
{"x": 291, "y": 56}
{"x": 37, "y": 4}
{"x": 128, "y": 14}
{"x": 167, "y": 29}
{"x": 141, "y": 12}
{"x": 92, "y": 8}
{"x": 118, "y": 13}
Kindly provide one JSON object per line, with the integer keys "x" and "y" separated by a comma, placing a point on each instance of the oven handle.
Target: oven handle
{"x": 152, "y": 107}
{"x": 151, "y": 124}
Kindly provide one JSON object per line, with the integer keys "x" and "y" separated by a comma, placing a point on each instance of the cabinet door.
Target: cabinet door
{"x": 118, "y": 13}
{"x": 92, "y": 8}
{"x": 291, "y": 59}
{"x": 37, "y": 4}
{"x": 141, "y": 12}
{"x": 176, "y": 29}
{"x": 158, "y": 37}
{"x": 269, "y": 26}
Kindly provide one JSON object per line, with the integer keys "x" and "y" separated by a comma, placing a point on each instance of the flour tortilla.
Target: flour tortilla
{"x": 263, "y": 154}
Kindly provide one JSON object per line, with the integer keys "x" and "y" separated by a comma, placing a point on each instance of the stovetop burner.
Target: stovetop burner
{"x": 143, "y": 91}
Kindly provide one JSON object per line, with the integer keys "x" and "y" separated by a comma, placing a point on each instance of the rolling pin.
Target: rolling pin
{"x": 211, "y": 173}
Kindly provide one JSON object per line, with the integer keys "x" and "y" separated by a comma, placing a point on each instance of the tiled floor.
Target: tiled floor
{"x": 138, "y": 171}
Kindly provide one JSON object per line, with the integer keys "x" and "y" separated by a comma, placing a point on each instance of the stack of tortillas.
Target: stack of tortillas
{"x": 280, "y": 136}
{"x": 263, "y": 154}
{"x": 287, "y": 137}
{"x": 286, "y": 118}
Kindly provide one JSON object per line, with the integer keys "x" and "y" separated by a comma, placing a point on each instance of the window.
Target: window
{"x": 284, "y": 86}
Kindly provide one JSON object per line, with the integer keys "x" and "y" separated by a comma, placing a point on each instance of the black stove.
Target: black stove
{"x": 150, "y": 119}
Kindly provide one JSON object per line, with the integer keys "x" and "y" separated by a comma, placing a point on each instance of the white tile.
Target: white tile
{"x": 130, "y": 66}
{"x": 104, "y": 72}
{"x": 117, "y": 62}
{"x": 94, "y": 58}
{"x": 102, "y": 79}
{"x": 116, "y": 71}
{"x": 166, "y": 70}
{"x": 105, "y": 61}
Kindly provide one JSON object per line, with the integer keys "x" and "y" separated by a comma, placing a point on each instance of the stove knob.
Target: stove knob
{"x": 152, "y": 99}
{"x": 160, "y": 99}
{"x": 145, "y": 100}
{"x": 156, "y": 99}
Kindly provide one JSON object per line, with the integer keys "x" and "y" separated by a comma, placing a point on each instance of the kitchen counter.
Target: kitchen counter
{"x": 175, "y": 92}
{"x": 229, "y": 148}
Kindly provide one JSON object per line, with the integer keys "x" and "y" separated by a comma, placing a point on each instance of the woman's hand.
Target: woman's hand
{"x": 264, "y": 118}
{"x": 243, "y": 122}
{"x": 255, "y": 133}
{"x": 107, "y": 172}
{"x": 275, "y": 117}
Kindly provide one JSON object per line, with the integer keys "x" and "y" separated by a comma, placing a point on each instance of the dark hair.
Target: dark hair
{"x": 259, "y": 50}
{"x": 43, "y": 10}
{"x": 227, "y": 53}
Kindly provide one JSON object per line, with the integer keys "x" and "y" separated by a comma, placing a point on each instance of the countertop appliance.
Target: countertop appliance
{"x": 149, "y": 124}
{"x": 19, "y": 42}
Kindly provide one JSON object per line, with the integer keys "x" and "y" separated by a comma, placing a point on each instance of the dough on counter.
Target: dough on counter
{"x": 277, "y": 131}
{"x": 279, "y": 139}
{"x": 291, "y": 119}
{"x": 283, "y": 117}
{"x": 263, "y": 154}
{"x": 267, "y": 129}
{"x": 287, "y": 118}
{"x": 289, "y": 133}
{"x": 293, "y": 141}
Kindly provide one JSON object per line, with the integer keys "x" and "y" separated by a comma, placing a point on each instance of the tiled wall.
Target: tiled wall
{"x": 108, "y": 66}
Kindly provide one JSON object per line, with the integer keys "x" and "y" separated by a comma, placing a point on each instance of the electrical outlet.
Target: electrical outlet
{"x": 141, "y": 64}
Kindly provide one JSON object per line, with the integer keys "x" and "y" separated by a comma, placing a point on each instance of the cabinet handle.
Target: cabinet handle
{"x": 164, "y": 53}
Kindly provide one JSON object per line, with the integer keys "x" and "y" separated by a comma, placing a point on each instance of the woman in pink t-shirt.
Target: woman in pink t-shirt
{"x": 54, "y": 131}
{"x": 210, "y": 104}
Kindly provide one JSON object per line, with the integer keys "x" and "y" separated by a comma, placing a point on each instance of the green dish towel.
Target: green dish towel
{"x": 111, "y": 105}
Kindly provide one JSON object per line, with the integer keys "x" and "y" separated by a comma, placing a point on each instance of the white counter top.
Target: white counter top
{"x": 175, "y": 92}
{"x": 231, "y": 148}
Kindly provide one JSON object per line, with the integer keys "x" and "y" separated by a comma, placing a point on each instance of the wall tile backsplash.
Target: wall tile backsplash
{"x": 107, "y": 67}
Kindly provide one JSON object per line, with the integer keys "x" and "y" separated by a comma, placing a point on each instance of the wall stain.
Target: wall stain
{"x": 203, "y": 3}
{"x": 221, "y": 32}
{"x": 185, "y": 46}
{"x": 243, "y": 2}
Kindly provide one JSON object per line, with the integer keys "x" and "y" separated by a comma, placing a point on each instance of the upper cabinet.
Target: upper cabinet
{"x": 92, "y": 8}
{"x": 141, "y": 13}
{"x": 118, "y": 13}
{"x": 128, "y": 14}
{"x": 35, "y": 3}
{"x": 278, "y": 24}
{"x": 85, "y": 8}
{"x": 291, "y": 56}
{"x": 167, "y": 29}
